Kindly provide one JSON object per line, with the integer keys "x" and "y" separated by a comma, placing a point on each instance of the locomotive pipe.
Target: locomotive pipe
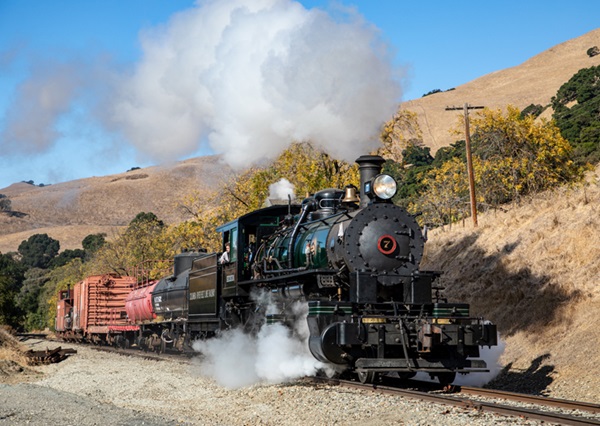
{"x": 284, "y": 271}
{"x": 289, "y": 291}
{"x": 306, "y": 208}
{"x": 369, "y": 166}
{"x": 403, "y": 338}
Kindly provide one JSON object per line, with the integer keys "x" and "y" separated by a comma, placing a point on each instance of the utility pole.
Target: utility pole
{"x": 466, "y": 109}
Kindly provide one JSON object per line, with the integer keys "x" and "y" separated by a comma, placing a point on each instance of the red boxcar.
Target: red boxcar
{"x": 99, "y": 306}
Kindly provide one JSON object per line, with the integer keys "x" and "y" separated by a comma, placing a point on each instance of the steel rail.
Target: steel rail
{"x": 183, "y": 357}
{"x": 533, "y": 399}
{"x": 496, "y": 408}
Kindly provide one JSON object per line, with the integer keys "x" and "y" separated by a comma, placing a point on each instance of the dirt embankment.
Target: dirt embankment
{"x": 533, "y": 269}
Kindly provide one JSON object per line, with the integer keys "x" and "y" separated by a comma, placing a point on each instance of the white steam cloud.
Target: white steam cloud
{"x": 275, "y": 355}
{"x": 40, "y": 101}
{"x": 491, "y": 356}
{"x": 248, "y": 78}
{"x": 242, "y": 78}
{"x": 281, "y": 189}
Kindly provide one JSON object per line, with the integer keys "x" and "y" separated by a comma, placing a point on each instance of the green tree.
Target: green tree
{"x": 409, "y": 173}
{"x": 38, "y": 250}
{"x": 417, "y": 155}
{"x": 66, "y": 256}
{"x": 577, "y": 113}
{"x": 142, "y": 242}
{"x": 588, "y": 147}
{"x": 29, "y": 301}
{"x": 148, "y": 218}
{"x": 5, "y": 203}
{"x": 431, "y": 92}
{"x": 532, "y": 109}
{"x": 12, "y": 274}
{"x": 447, "y": 153}
{"x": 93, "y": 242}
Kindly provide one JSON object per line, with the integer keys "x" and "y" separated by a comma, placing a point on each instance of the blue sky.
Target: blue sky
{"x": 90, "y": 88}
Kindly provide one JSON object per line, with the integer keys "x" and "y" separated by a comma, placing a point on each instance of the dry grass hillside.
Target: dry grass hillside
{"x": 534, "y": 270}
{"x": 13, "y": 361}
{"x": 71, "y": 210}
{"x": 533, "y": 82}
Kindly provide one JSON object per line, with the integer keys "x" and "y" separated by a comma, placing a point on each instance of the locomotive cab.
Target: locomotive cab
{"x": 245, "y": 236}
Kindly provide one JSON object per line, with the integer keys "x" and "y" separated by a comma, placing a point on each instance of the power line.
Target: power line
{"x": 466, "y": 107}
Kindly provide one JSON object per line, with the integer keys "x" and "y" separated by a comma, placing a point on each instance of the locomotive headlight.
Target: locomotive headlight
{"x": 384, "y": 186}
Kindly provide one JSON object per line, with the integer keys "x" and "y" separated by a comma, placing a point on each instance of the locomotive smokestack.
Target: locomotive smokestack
{"x": 369, "y": 166}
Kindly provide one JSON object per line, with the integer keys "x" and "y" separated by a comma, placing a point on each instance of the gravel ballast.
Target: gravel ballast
{"x": 98, "y": 388}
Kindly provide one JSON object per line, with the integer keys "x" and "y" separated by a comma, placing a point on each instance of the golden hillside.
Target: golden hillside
{"x": 70, "y": 211}
{"x": 534, "y": 81}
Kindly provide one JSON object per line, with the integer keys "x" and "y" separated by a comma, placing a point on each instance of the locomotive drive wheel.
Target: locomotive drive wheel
{"x": 367, "y": 376}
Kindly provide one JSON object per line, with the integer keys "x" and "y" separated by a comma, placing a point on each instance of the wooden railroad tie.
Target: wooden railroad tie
{"x": 48, "y": 356}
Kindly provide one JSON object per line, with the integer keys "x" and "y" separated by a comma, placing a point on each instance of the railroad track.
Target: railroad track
{"x": 538, "y": 408}
{"x": 532, "y": 399}
{"x": 153, "y": 356}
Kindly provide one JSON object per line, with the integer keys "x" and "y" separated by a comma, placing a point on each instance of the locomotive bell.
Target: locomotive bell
{"x": 350, "y": 195}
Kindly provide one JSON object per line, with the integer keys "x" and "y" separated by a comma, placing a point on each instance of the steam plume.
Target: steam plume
{"x": 491, "y": 356}
{"x": 248, "y": 78}
{"x": 281, "y": 189}
{"x": 275, "y": 355}
{"x": 242, "y": 78}
{"x": 39, "y": 102}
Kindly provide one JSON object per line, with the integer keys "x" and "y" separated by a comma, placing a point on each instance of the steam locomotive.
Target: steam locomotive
{"x": 351, "y": 254}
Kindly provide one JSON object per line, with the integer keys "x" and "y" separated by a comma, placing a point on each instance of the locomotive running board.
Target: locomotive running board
{"x": 400, "y": 364}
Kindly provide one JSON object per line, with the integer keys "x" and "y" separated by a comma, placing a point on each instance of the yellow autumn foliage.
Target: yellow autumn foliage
{"x": 512, "y": 156}
{"x": 398, "y": 133}
{"x": 306, "y": 167}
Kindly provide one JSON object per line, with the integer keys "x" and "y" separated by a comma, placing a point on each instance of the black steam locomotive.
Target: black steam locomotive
{"x": 351, "y": 254}
{"x": 355, "y": 260}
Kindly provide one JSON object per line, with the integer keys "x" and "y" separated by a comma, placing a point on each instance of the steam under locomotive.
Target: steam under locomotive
{"x": 351, "y": 254}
